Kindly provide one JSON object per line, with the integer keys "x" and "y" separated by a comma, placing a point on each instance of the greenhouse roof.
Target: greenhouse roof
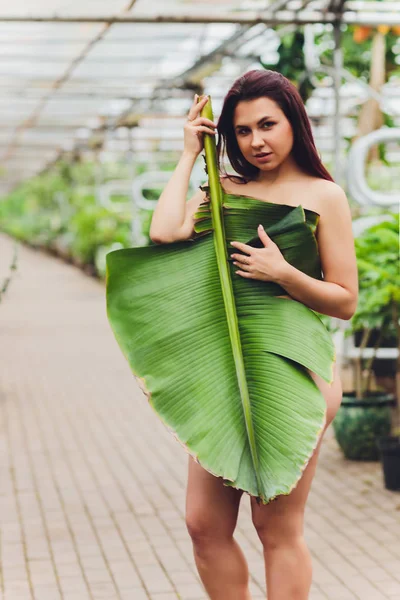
{"x": 76, "y": 74}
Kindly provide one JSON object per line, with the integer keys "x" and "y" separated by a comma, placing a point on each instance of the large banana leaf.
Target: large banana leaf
{"x": 223, "y": 359}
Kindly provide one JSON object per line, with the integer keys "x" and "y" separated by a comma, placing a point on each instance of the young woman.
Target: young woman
{"x": 267, "y": 136}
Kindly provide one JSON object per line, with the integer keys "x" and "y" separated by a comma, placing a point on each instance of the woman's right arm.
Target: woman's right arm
{"x": 173, "y": 216}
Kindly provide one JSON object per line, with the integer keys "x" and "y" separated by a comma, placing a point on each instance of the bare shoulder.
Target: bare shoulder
{"x": 330, "y": 196}
{"x": 232, "y": 184}
{"x": 330, "y": 189}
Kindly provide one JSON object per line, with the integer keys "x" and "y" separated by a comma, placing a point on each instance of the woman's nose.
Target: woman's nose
{"x": 257, "y": 141}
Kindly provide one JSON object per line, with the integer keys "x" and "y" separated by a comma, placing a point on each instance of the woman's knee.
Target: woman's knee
{"x": 211, "y": 508}
{"x": 280, "y": 531}
{"x": 204, "y": 527}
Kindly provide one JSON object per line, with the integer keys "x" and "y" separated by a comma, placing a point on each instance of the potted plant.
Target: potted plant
{"x": 370, "y": 414}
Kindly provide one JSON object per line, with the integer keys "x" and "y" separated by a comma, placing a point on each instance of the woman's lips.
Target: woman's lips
{"x": 264, "y": 157}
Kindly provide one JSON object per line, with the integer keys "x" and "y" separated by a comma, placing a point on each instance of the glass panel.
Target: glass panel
{"x": 45, "y": 74}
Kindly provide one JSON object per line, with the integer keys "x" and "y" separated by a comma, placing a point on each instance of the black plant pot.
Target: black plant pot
{"x": 390, "y": 456}
{"x": 359, "y": 424}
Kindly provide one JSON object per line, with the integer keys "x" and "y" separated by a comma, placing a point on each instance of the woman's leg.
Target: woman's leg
{"x": 211, "y": 516}
{"x": 280, "y": 523}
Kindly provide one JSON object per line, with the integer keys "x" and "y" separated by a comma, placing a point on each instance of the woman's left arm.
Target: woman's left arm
{"x": 337, "y": 294}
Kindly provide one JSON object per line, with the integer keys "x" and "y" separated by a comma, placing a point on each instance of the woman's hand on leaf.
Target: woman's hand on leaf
{"x": 264, "y": 264}
{"x": 196, "y": 126}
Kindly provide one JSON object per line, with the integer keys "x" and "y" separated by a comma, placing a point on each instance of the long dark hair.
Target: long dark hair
{"x": 273, "y": 85}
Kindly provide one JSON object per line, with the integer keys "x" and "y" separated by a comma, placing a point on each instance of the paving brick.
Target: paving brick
{"x": 135, "y": 594}
{"x": 336, "y": 591}
{"x": 389, "y": 587}
{"x": 92, "y": 498}
{"x": 190, "y": 591}
{"x": 46, "y": 592}
{"x": 155, "y": 579}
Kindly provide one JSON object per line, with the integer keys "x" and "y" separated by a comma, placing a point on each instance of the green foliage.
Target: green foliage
{"x": 58, "y": 210}
{"x": 94, "y": 226}
{"x": 377, "y": 252}
{"x": 291, "y": 62}
{"x": 357, "y": 428}
{"x": 30, "y": 213}
{"x": 357, "y": 55}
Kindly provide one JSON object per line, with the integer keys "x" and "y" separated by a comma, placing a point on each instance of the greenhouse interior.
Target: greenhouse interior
{"x": 94, "y": 97}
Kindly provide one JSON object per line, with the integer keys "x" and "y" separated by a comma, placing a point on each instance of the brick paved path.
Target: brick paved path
{"x": 93, "y": 487}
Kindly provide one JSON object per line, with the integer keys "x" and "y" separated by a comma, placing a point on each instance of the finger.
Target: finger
{"x": 263, "y": 235}
{"x": 192, "y": 112}
{"x": 194, "y": 108}
{"x": 205, "y": 129}
{"x": 242, "y": 247}
{"x": 201, "y": 103}
{"x": 242, "y": 258}
{"x": 203, "y": 121}
{"x": 242, "y": 266}
{"x": 197, "y": 100}
{"x": 243, "y": 274}
{"x": 197, "y": 107}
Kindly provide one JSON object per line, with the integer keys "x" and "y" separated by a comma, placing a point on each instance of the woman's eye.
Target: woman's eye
{"x": 265, "y": 125}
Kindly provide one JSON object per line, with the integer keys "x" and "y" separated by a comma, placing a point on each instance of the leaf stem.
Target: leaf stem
{"x": 227, "y": 288}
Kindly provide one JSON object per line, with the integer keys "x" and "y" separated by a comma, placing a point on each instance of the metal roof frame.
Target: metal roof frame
{"x": 147, "y": 90}
{"x": 351, "y": 12}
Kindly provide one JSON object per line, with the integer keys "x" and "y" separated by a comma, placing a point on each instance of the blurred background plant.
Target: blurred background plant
{"x": 12, "y": 269}
{"x": 58, "y": 211}
{"x": 377, "y": 315}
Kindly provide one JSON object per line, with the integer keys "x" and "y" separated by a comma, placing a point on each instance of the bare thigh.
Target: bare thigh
{"x": 332, "y": 393}
{"x": 211, "y": 507}
{"x": 295, "y": 501}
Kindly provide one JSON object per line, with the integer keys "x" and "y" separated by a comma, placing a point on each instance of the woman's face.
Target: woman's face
{"x": 263, "y": 133}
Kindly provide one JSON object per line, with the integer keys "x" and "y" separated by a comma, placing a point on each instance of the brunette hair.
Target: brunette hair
{"x": 271, "y": 84}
